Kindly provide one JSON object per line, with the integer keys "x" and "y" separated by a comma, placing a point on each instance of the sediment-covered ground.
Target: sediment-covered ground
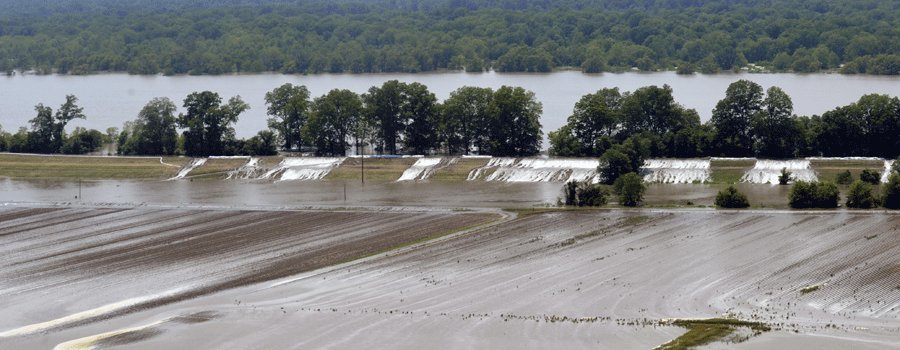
{"x": 583, "y": 279}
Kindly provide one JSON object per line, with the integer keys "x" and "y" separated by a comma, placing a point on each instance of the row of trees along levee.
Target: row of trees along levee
{"x": 394, "y": 118}
{"x": 314, "y": 36}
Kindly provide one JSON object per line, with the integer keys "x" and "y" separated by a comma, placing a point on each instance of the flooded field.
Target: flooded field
{"x": 590, "y": 279}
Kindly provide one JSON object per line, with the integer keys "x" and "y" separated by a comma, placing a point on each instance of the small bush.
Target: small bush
{"x": 870, "y": 176}
{"x": 892, "y": 192}
{"x": 585, "y": 194}
{"x": 814, "y": 195}
{"x": 844, "y": 178}
{"x": 785, "y": 177}
{"x": 861, "y": 195}
{"x": 630, "y": 188}
{"x": 731, "y": 198}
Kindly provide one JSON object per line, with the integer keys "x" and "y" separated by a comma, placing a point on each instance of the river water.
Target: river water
{"x": 111, "y": 99}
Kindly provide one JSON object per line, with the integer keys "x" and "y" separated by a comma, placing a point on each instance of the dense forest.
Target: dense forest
{"x": 312, "y": 36}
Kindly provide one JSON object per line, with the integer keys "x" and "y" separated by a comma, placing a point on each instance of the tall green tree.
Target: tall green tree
{"x": 288, "y": 107}
{"x": 419, "y": 114}
{"x": 773, "y": 129}
{"x": 732, "y": 115}
{"x": 596, "y": 116}
{"x": 48, "y": 130}
{"x": 209, "y": 123}
{"x": 384, "y": 108}
{"x": 653, "y": 109}
{"x": 333, "y": 120}
{"x": 464, "y": 118}
{"x": 153, "y": 132}
{"x": 515, "y": 126}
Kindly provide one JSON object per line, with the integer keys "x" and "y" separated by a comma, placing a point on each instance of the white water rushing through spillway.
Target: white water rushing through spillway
{"x": 194, "y": 164}
{"x": 305, "y": 168}
{"x": 886, "y": 172}
{"x": 677, "y": 171}
{"x": 538, "y": 170}
{"x": 421, "y": 170}
{"x": 767, "y": 171}
{"x": 247, "y": 171}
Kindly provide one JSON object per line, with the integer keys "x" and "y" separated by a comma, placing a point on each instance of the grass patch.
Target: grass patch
{"x": 729, "y": 171}
{"x": 828, "y": 170}
{"x": 459, "y": 170}
{"x": 376, "y": 170}
{"x": 88, "y": 168}
{"x": 703, "y": 332}
{"x": 807, "y": 290}
{"x": 635, "y": 220}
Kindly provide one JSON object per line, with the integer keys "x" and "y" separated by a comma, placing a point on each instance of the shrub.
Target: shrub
{"x": 844, "y": 178}
{"x": 861, "y": 195}
{"x": 870, "y": 176}
{"x": 814, "y": 195}
{"x": 731, "y": 198}
{"x": 785, "y": 177}
{"x": 630, "y": 188}
{"x": 892, "y": 192}
{"x": 585, "y": 194}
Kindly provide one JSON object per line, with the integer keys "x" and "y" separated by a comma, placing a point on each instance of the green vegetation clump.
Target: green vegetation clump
{"x": 585, "y": 194}
{"x": 731, "y": 198}
{"x": 703, "y": 332}
{"x": 810, "y": 289}
{"x": 630, "y": 188}
{"x": 861, "y": 195}
{"x": 891, "y": 197}
{"x": 844, "y": 178}
{"x": 785, "y": 177}
{"x": 814, "y": 195}
{"x": 870, "y": 176}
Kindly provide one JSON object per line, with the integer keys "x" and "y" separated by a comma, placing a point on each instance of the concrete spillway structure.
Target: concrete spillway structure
{"x": 886, "y": 172}
{"x": 537, "y": 170}
{"x": 767, "y": 171}
{"x": 421, "y": 170}
{"x": 677, "y": 171}
{"x": 305, "y": 168}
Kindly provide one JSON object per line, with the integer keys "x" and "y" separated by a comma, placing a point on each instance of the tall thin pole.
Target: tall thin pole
{"x": 79, "y": 191}
{"x": 362, "y": 168}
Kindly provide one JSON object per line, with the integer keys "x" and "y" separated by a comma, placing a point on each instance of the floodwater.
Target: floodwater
{"x": 111, "y": 99}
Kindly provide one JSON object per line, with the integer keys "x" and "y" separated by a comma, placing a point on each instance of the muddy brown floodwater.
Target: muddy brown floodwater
{"x": 597, "y": 279}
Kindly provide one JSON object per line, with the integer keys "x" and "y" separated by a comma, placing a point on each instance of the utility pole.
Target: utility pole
{"x": 79, "y": 191}
{"x": 362, "y": 168}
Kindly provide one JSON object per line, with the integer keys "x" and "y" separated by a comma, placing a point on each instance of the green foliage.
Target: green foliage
{"x": 48, "y": 133}
{"x": 263, "y": 144}
{"x": 333, "y": 121}
{"x": 153, "y": 133}
{"x": 844, "y": 178}
{"x": 785, "y": 177}
{"x": 82, "y": 141}
{"x": 585, "y": 194}
{"x": 630, "y": 188}
{"x": 732, "y": 117}
{"x": 208, "y": 123}
{"x": 868, "y": 127}
{"x": 861, "y": 195}
{"x": 464, "y": 119}
{"x": 891, "y": 190}
{"x": 288, "y": 107}
{"x": 813, "y": 195}
{"x": 514, "y": 123}
{"x": 870, "y": 176}
{"x": 624, "y": 158}
{"x": 731, "y": 198}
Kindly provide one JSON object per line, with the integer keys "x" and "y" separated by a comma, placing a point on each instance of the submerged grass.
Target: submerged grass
{"x": 89, "y": 168}
{"x": 707, "y": 331}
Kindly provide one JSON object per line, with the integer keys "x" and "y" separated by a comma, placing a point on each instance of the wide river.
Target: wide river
{"x": 111, "y": 99}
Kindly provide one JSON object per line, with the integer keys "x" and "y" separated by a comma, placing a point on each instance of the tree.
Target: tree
{"x": 419, "y": 114}
{"x": 383, "y": 107}
{"x": 514, "y": 126}
{"x": 861, "y": 195}
{"x": 262, "y": 144}
{"x": 891, "y": 197}
{"x": 595, "y": 116}
{"x": 785, "y": 177}
{"x": 289, "y": 108}
{"x": 844, "y": 178}
{"x": 40, "y": 139}
{"x": 732, "y": 115}
{"x": 585, "y": 194}
{"x": 813, "y": 195}
{"x": 630, "y": 188}
{"x": 82, "y": 141}
{"x": 627, "y": 157}
{"x": 208, "y": 123}
{"x": 68, "y": 111}
{"x": 333, "y": 120}
{"x": 773, "y": 129}
{"x": 731, "y": 198}
{"x": 653, "y": 109}
{"x": 464, "y": 118}
{"x": 153, "y": 133}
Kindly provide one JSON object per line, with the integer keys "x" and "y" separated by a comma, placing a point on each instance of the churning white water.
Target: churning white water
{"x": 538, "y": 170}
{"x": 249, "y": 170}
{"x": 421, "y": 170}
{"x": 194, "y": 164}
{"x": 677, "y": 171}
{"x": 303, "y": 168}
{"x": 767, "y": 171}
{"x": 886, "y": 173}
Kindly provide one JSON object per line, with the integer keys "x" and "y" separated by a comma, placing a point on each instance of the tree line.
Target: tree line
{"x": 314, "y": 36}
{"x": 624, "y": 128}
{"x": 393, "y": 118}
